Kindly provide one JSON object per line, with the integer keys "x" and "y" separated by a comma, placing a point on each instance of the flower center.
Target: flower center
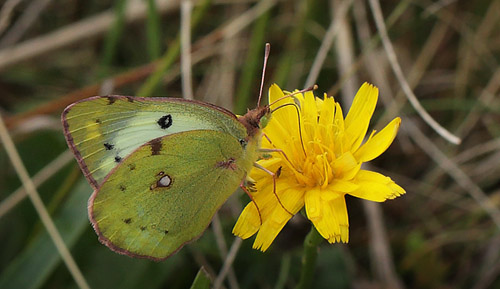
{"x": 312, "y": 164}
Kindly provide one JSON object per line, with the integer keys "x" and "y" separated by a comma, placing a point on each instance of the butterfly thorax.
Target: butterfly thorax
{"x": 256, "y": 119}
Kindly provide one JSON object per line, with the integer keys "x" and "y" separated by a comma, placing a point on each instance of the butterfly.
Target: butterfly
{"x": 160, "y": 167}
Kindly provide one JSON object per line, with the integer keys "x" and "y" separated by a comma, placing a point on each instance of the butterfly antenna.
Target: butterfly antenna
{"x": 266, "y": 57}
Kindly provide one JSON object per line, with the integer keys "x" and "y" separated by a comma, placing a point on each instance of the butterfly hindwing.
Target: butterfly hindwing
{"x": 166, "y": 192}
{"x": 102, "y": 131}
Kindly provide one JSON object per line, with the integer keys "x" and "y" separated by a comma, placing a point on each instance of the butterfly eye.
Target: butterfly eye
{"x": 243, "y": 143}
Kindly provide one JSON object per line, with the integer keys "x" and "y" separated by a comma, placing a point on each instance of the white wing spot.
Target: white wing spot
{"x": 165, "y": 181}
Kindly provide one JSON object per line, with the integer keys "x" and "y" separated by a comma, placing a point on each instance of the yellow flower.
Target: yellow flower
{"x": 319, "y": 164}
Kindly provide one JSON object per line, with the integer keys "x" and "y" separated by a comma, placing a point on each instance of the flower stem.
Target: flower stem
{"x": 313, "y": 239}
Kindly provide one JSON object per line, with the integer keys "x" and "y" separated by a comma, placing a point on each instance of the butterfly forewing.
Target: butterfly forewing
{"x": 102, "y": 131}
{"x": 166, "y": 192}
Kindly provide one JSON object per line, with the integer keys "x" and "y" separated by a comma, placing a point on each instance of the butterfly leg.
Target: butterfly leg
{"x": 275, "y": 176}
{"x": 242, "y": 186}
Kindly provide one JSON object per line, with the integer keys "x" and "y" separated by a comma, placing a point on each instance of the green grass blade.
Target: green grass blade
{"x": 153, "y": 31}
{"x": 201, "y": 281}
{"x": 35, "y": 264}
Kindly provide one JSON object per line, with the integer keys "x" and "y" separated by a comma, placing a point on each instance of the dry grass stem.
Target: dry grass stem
{"x": 6, "y": 13}
{"x": 228, "y": 262}
{"x": 436, "y": 6}
{"x": 478, "y": 150}
{"x": 380, "y": 251}
{"x": 187, "y": 82}
{"x": 222, "y": 246}
{"x": 391, "y": 55}
{"x": 345, "y": 53}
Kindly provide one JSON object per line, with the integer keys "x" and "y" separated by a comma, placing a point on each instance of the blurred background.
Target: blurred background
{"x": 444, "y": 233}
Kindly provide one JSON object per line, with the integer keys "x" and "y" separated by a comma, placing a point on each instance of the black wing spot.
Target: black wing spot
{"x": 118, "y": 159}
{"x": 111, "y": 100}
{"x": 127, "y": 221}
{"x": 98, "y": 121}
{"x": 108, "y": 146}
{"x": 166, "y": 232}
{"x": 130, "y": 99}
{"x": 142, "y": 228}
{"x": 122, "y": 188}
{"x": 165, "y": 121}
{"x": 131, "y": 167}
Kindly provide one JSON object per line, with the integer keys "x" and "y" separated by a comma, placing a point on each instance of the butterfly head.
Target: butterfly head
{"x": 256, "y": 119}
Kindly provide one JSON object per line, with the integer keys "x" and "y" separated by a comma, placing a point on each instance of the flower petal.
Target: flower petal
{"x": 276, "y": 93}
{"x": 340, "y": 212}
{"x": 248, "y": 223}
{"x": 379, "y": 143}
{"x": 292, "y": 200}
{"x": 313, "y": 203}
{"x": 327, "y": 111}
{"x": 309, "y": 108}
{"x": 339, "y": 137}
{"x": 343, "y": 186}
{"x": 375, "y": 187}
{"x": 327, "y": 225}
{"x": 345, "y": 165}
{"x": 358, "y": 118}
